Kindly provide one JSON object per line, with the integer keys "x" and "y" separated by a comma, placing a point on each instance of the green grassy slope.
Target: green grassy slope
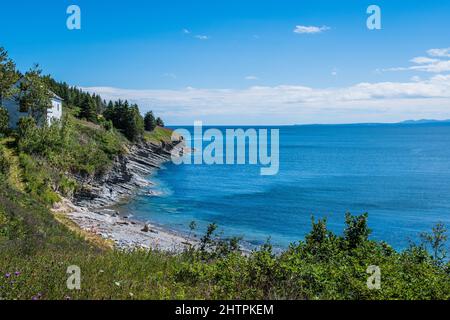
{"x": 159, "y": 135}
{"x": 39, "y": 249}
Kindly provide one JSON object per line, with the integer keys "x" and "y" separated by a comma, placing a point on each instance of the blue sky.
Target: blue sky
{"x": 233, "y": 62}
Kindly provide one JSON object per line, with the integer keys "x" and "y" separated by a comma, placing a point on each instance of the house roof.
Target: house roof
{"x": 55, "y": 96}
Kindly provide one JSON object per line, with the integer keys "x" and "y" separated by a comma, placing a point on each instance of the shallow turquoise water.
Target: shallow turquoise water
{"x": 399, "y": 174}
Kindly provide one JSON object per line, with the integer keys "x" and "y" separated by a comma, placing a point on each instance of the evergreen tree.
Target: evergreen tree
{"x": 8, "y": 75}
{"x": 34, "y": 95}
{"x": 88, "y": 109}
{"x": 149, "y": 121}
{"x": 4, "y": 121}
{"x": 160, "y": 122}
{"x": 135, "y": 123}
{"x": 125, "y": 118}
{"x": 98, "y": 103}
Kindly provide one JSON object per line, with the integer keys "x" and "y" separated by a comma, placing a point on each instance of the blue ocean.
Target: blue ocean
{"x": 399, "y": 174}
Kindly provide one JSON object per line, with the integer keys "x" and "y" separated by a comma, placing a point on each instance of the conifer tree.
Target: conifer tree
{"x": 149, "y": 121}
{"x": 34, "y": 94}
{"x": 8, "y": 75}
{"x": 160, "y": 122}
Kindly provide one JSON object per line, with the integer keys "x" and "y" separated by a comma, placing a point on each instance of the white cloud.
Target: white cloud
{"x": 199, "y": 36}
{"x": 423, "y": 60}
{"x": 334, "y": 72}
{"x": 436, "y": 67}
{"x": 428, "y": 64}
{"x": 251, "y": 78}
{"x": 439, "y": 52}
{"x": 170, "y": 75}
{"x": 310, "y": 29}
{"x": 202, "y": 37}
{"x": 286, "y": 104}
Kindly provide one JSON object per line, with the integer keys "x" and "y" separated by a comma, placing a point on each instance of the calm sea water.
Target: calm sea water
{"x": 399, "y": 174}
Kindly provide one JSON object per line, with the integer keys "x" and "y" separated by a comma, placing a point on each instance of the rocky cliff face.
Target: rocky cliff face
{"x": 127, "y": 175}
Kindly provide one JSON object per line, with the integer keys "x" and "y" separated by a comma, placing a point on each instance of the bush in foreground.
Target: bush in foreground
{"x": 323, "y": 266}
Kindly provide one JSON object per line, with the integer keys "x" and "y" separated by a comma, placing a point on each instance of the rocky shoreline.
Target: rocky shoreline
{"x": 92, "y": 208}
{"x": 128, "y": 174}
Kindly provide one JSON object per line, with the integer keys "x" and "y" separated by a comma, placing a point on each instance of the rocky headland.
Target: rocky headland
{"x": 92, "y": 208}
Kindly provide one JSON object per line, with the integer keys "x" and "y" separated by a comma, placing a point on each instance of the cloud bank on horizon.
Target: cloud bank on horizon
{"x": 362, "y": 102}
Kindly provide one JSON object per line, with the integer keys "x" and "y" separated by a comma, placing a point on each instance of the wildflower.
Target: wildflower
{"x": 17, "y": 273}
{"x": 117, "y": 283}
{"x": 37, "y": 297}
{"x": 8, "y": 275}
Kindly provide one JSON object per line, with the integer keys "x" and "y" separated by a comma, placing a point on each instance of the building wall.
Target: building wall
{"x": 13, "y": 109}
{"x": 53, "y": 113}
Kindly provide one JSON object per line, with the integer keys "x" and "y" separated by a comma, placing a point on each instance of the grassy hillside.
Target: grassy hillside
{"x": 50, "y": 157}
{"x": 9, "y": 163}
{"x": 36, "y": 250}
{"x": 159, "y": 135}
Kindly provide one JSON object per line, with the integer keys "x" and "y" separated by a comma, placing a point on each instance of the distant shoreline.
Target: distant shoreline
{"x": 406, "y": 122}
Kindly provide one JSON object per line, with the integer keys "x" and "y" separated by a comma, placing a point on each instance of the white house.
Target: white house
{"x": 53, "y": 112}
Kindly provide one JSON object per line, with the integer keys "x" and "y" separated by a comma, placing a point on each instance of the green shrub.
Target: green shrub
{"x": 38, "y": 179}
{"x": 108, "y": 125}
{"x": 71, "y": 146}
{"x": 27, "y": 133}
{"x": 67, "y": 186}
{"x": 357, "y": 232}
{"x": 4, "y": 163}
{"x": 4, "y": 121}
{"x": 324, "y": 266}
